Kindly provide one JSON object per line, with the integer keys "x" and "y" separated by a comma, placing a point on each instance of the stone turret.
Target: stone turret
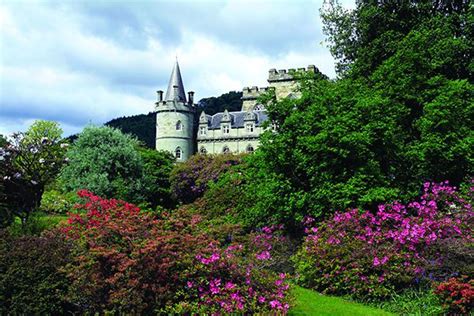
{"x": 175, "y": 119}
{"x": 284, "y": 82}
{"x": 250, "y": 96}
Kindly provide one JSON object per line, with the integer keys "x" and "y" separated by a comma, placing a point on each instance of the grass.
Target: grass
{"x": 312, "y": 303}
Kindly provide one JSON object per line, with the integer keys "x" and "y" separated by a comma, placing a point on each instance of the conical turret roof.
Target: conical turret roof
{"x": 177, "y": 94}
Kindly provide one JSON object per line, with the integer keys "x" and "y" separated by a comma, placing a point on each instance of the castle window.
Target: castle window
{"x": 226, "y": 150}
{"x": 203, "y": 151}
{"x": 249, "y": 127}
{"x": 178, "y": 153}
{"x": 250, "y": 149}
{"x": 202, "y": 130}
{"x": 225, "y": 129}
{"x": 179, "y": 126}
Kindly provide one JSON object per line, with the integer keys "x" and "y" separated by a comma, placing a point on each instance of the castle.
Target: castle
{"x": 181, "y": 132}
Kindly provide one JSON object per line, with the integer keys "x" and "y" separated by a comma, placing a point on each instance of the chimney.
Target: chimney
{"x": 191, "y": 97}
{"x": 160, "y": 95}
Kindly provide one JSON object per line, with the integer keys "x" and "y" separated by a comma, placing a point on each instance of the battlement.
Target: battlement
{"x": 288, "y": 74}
{"x": 251, "y": 93}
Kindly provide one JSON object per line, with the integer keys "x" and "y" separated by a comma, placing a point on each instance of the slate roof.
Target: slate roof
{"x": 175, "y": 80}
{"x": 237, "y": 119}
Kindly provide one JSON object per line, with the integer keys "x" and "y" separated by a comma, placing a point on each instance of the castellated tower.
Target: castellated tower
{"x": 175, "y": 119}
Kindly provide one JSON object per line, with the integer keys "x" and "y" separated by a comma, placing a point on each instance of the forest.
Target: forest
{"x": 360, "y": 202}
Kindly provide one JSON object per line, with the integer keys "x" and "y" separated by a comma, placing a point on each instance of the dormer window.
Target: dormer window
{"x": 225, "y": 129}
{"x": 202, "y": 130}
{"x": 203, "y": 151}
{"x": 250, "y": 149}
{"x": 226, "y": 150}
{"x": 249, "y": 127}
{"x": 178, "y": 153}
{"x": 179, "y": 126}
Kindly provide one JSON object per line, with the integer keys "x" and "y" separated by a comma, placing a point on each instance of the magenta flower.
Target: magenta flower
{"x": 264, "y": 255}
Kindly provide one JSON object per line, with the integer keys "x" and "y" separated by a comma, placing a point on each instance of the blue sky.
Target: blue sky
{"x": 82, "y": 62}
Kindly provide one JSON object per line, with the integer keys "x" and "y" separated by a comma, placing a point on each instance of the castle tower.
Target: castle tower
{"x": 175, "y": 118}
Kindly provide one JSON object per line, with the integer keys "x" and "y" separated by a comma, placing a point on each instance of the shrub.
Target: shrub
{"x": 128, "y": 261}
{"x": 56, "y": 202}
{"x": 189, "y": 180}
{"x": 457, "y": 295}
{"x": 31, "y": 277}
{"x": 370, "y": 255}
{"x": 104, "y": 161}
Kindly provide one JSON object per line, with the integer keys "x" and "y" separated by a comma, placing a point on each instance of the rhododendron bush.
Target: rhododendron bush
{"x": 457, "y": 295}
{"x": 370, "y": 255}
{"x": 125, "y": 260}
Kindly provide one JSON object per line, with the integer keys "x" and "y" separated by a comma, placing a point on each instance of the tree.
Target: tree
{"x": 30, "y": 161}
{"x": 361, "y": 39}
{"x": 106, "y": 162}
{"x": 398, "y": 116}
{"x": 157, "y": 166}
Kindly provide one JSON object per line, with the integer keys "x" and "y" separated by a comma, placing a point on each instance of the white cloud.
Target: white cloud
{"x": 60, "y": 62}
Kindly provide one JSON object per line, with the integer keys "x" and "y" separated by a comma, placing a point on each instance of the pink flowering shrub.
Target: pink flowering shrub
{"x": 370, "y": 255}
{"x": 128, "y": 261}
{"x": 236, "y": 278}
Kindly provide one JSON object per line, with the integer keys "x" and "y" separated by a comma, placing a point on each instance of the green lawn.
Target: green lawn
{"x": 308, "y": 302}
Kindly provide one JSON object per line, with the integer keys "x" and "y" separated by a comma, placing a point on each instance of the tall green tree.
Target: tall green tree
{"x": 400, "y": 114}
{"x": 363, "y": 38}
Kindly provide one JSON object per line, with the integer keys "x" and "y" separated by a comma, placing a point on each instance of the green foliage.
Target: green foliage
{"x": 402, "y": 117}
{"x": 230, "y": 101}
{"x": 142, "y": 126}
{"x": 57, "y": 202}
{"x": 413, "y": 301}
{"x": 29, "y": 162}
{"x": 250, "y": 194}
{"x": 37, "y": 223}
{"x": 31, "y": 280}
{"x": 308, "y": 302}
{"x": 157, "y": 166}
{"x": 363, "y": 38}
{"x": 190, "y": 179}
{"x": 105, "y": 161}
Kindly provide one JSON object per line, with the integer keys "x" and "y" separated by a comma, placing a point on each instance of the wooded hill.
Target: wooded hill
{"x": 143, "y": 125}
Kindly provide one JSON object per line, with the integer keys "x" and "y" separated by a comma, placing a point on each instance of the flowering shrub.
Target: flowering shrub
{"x": 31, "y": 279}
{"x": 371, "y": 255}
{"x": 189, "y": 180}
{"x": 236, "y": 278}
{"x": 457, "y": 295}
{"x": 128, "y": 261}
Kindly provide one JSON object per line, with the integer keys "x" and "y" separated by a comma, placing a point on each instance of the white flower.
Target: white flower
{"x": 34, "y": 182}
{"x": 66, "y": 159}
{"x": 17, "y": 175}
{"x": 64, "y": 145}
{"x": 41, "y": 160}
{"x": 6, "y": 178}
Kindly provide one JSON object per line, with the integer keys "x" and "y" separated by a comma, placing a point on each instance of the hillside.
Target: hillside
{"x": 143, "y": 125}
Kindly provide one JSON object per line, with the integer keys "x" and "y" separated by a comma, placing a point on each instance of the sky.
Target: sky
{"x": 87, "y": 62}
